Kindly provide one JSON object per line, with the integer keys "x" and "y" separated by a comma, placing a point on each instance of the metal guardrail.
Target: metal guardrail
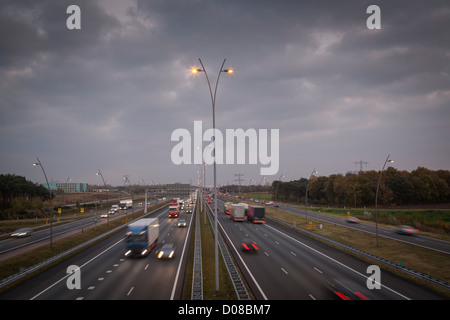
{"x": 369, "y": 255}
{"x": 197, "y": 279}
{"x": 238, "y": 284}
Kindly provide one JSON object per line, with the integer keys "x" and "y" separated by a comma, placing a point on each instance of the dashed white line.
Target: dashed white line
{"x": 130, "y": 291}
{"x": 91, "y": 288}
{"x": 311, "y": 296}
{"x": 293, "y": 254}
{"x": 317, "y": 270}
{"x": 146, "y": 267}
{"x": 284, "y": 271}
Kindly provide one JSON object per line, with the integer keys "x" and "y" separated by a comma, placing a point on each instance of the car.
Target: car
{"x": 181, "y": 223}
{"x": 407, "y": 230}
{"x": 248, "y": 245}
{"x": 353, "y": 220}
{"x": 276, "y": 205}
{"x": 167, "y": 251}
{"x": 21, "y": 233}
{"x": 343, "y": 289}
{"x": 189, "y": 210}
{"x": 104, "y": 215}
{"x": 112, "y": 211}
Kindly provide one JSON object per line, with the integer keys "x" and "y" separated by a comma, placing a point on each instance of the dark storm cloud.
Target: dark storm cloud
{"x": 109, "y": 95}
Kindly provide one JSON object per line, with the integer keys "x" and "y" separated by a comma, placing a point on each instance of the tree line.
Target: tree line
{"x": 19, "y": 194}
{"x": 420, "y": 186}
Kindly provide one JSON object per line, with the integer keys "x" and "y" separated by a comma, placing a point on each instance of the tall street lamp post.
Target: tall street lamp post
{"x": 213, "y": 102}
{"x": 99, "y": 173}
{"x": 376, "y": 195}
{"x": 306, "y": 194}
{"x": 38, "y": 163}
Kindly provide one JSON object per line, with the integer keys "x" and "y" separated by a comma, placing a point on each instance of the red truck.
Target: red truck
{"x": 173, "y": 210}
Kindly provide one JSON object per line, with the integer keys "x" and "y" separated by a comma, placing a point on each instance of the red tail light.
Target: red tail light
{"x": 245, "y": 246}
{"x": 341, "y": 295}
{"x": 254, "y": 246}
{"x": 361, "y": 296}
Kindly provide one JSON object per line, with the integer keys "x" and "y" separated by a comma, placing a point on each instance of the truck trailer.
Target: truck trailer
{"x": 256, "y": 214}
{"x": 142, "y": 237}
{"x": 237, "y": 212}
{"x": 125, "y": 204}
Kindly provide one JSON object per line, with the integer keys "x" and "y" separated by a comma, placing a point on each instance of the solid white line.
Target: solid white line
{"x": 340, "y": 263}
{"x": 251, "y": 275}
{"x": 181, "y": 260}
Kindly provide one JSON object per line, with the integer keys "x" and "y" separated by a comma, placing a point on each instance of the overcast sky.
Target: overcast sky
{"x": 109, "y": 96}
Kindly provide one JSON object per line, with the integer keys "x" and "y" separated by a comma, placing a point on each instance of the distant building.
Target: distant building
{"x": 68, "y": 187}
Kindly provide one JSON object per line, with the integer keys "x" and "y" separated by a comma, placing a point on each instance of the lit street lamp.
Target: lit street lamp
{"x": 50, "y": 193}
{"x": 376, "y": 196}
{"x": 213, "y": 101}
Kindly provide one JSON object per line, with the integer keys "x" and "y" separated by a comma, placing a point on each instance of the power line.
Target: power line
{"x": 239, "y": 175}
{"x": 360, "y": 162}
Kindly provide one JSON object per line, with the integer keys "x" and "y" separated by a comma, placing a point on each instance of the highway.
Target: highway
{"x": 290, "y": 266}
{"x": 287, "y": 266}
{"x": 8, "y": 247}
{"x": 106, "y": 274}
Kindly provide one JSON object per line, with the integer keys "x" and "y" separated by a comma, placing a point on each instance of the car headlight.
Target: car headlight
{"x": 160, "y": 254}
{"x": 171, "y": 254}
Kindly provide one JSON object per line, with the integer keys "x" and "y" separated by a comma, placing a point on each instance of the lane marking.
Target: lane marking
{"x": 130, "y": 291}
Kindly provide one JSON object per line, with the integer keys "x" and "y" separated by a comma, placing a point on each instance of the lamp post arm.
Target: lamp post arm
{"x": 207, "y": 80}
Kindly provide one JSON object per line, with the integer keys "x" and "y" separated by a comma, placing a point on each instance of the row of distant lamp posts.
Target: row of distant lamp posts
{"x": 38, "y": 163}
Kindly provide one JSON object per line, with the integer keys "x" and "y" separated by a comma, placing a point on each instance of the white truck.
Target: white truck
{"x": 125, "y": 204}
{"x": 237, "y": 212}
{"x": 142, "y": 237}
